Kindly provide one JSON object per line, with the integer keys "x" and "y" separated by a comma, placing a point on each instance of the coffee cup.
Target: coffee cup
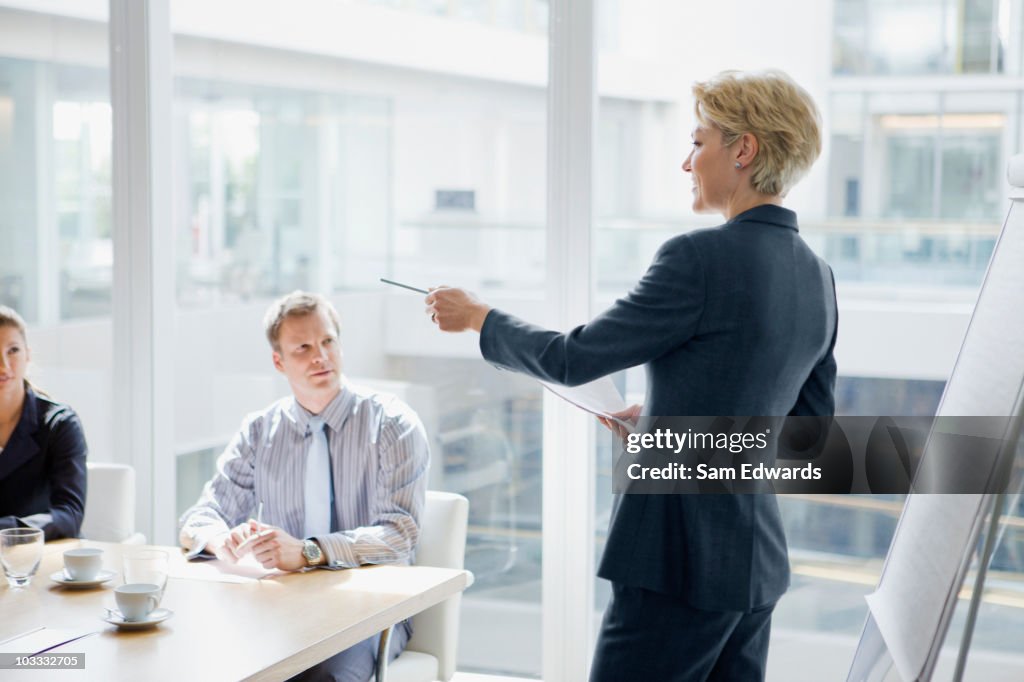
{"x": 135, "y": 601}
{"x": 83, "y": 564}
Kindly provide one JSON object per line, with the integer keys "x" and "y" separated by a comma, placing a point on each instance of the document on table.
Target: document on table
{"x": 41, "y": 639}
{"x": 247, "y": 570}
{"x": 598, "y": 397}
{"x": 920, "y": 575}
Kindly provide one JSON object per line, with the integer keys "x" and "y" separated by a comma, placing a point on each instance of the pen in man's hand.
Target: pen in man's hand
{"x": 258, "y": 534}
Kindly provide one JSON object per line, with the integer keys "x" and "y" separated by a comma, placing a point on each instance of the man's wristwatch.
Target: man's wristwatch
{"x": 313, "y": 554}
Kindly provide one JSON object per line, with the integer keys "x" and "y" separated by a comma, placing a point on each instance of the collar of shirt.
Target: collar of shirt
{"x": 767, "y": 214}
{"x": 334, "y": 415}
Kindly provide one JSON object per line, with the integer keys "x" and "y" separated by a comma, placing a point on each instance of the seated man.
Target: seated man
{"x": 338, "y": 473}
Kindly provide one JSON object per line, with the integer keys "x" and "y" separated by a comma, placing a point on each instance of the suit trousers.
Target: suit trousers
{"x": 357, "y": 663}
{"x": 647, "y": 635}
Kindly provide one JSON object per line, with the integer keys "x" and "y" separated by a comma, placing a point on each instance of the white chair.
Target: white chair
{"x": 430, "y": 655}
{"x": 110, "y": 504}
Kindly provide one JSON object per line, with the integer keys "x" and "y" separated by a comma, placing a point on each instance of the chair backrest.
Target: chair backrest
{"x": 109, "y": 502}
{"x": 442, "y": 544}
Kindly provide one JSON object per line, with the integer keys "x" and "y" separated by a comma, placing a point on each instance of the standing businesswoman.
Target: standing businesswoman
{"x": 42, "y": 447}
{"x": 738, "y": 319}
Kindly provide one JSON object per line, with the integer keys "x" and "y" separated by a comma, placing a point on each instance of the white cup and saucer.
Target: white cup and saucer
{"x": 138, "y": 607}
{"x": 83, "y": 568}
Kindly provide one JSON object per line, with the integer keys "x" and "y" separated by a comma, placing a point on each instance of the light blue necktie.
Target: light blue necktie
{"x": 318, "y": 482}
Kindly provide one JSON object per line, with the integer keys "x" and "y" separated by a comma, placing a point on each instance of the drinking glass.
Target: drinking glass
{"x": 20, "y": 552}
{"x": 146, "y": 566}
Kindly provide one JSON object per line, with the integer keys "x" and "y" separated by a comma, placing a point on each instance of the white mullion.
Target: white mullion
{"x": 48, "y": 313}
{"x": 324, "y": 149}
{"x": 143, "y": 296}
{"x": 568, "y": 544}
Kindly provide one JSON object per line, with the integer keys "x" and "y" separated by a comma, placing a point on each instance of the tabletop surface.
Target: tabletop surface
{"x": 267, "y": 629}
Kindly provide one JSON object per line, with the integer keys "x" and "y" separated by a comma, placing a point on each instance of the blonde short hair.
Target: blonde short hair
{"x": 773, "y": 108}
{"x": 296, "y": 304}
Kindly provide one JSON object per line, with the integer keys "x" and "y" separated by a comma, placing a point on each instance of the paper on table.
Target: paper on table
{"x": 41, "y": 639}
{"x": 598, "y": 397}
{"x": 919, "y": 575}
{"x": 247, "y": 570}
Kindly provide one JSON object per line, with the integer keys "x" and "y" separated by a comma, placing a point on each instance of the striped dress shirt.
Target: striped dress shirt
{"x": 379, "y": 458}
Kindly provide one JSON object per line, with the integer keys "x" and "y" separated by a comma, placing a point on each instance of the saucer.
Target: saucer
{"x": 62, "y": 578}
{"x": 155, "y": 617}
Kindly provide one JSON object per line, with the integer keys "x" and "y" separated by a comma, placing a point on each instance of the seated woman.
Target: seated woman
{"x": 42, "y": 447}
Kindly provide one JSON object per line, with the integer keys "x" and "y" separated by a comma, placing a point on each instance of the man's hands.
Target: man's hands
{"x": 456, "y": 310}
{"x": 271, "y": 546}
{"x": 274, "y": 548}
{"x": 227, "y": 546}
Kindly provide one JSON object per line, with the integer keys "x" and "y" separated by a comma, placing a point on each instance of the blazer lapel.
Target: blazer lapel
{"x": 21, "y": 446}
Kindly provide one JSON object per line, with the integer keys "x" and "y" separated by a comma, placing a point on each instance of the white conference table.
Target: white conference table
{"x": 268, "y": 629}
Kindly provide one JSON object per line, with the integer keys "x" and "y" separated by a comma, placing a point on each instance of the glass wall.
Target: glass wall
{"x": 284, "y": 189}
{"x": 303, "y": 169}
{"x": 917, "y": 188}
{"x": 528, "y": 16}
{"x": 326, "y": 164}
{"x": 918, "y": 37}
{"x": 58, "y": 114}
{"x": 56, "y": 257}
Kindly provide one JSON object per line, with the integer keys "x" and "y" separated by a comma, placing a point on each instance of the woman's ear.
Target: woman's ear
{"x": 747, "y": 148}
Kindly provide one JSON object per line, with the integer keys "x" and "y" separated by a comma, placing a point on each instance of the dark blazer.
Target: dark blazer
{"x": 737, "y": 320}
{"x": 42, "y": 470}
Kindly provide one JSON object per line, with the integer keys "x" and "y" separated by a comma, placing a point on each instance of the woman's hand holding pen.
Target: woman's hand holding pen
{"x": 456, "y": 310}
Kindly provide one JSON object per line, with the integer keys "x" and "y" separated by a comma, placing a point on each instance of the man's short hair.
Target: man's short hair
{"x": 296, "y": 304}
{"x": 774, "y": 109}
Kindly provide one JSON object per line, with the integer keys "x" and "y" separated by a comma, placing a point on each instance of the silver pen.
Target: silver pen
{"x": 404, "y": 286}
{"x": 255, "y": 536}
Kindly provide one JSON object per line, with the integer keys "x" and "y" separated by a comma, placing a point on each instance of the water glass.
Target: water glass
{"x": 146, "y": 566}
{"x": 20, "y": 552}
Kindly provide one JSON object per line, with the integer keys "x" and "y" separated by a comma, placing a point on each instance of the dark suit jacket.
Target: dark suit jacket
{"x": 737, "y": 320}
{"x": 42, "y": 470}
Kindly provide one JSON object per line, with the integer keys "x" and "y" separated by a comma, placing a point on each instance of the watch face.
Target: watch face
{"x": 311, "y": 551}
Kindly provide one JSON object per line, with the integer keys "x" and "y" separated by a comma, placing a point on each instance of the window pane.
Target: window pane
{"x": 910, "y": 160}
{"x": 300, "y": 168}
{"x": 253, "y": 196}
{"x": 971, "y": 165}
{"x": 901, "y": 37}
{"x": 56, "y": 248}
{"x": 928, "y": 201}
{"x": 981, "y": 50}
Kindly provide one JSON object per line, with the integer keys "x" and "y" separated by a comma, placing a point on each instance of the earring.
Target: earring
{"x": 739, "y": 165}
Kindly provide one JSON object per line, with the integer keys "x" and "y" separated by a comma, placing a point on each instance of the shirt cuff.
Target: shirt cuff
{"x": 38, "y": 521}
{"x": 339, "y": 551}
